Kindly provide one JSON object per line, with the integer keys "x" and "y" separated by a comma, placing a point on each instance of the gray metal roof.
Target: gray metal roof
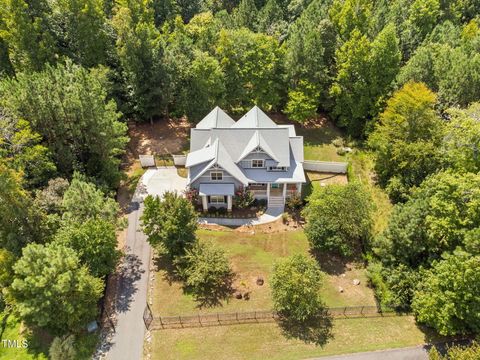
{"x": 217, "y": 189}
{"x": 211, "y": 142}
{"x": 215, "y": 119}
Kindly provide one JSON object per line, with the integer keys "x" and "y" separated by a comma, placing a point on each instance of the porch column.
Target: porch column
{"x": 284, "y": 191}
{"x": 268, "y": 190}
{"x": 299, "y": 189}
{"x": 229, "y": 203}
{"x": 204, "y": 203}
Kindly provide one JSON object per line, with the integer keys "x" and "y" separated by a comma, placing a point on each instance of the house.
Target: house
{"x": 253, "y": 153}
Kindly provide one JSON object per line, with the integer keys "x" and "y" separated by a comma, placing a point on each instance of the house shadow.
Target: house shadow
{"x": 317, "y": 330}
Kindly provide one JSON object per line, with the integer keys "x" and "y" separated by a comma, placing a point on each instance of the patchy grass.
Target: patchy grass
{"x": 266, "y": 341}
{"x": 253, "y": 256}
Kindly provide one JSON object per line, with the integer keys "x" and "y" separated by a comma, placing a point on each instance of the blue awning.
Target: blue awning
{"x": 216, "y": 189}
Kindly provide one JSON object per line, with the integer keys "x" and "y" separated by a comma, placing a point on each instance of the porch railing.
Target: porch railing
{"x": 259, "y": 192}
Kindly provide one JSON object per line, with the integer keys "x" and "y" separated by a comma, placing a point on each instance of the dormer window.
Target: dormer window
{"x": 216, "y": 176}
{"x": 257, "y": 163}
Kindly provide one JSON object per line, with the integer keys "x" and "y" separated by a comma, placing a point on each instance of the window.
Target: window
{"x": 257, "y": 163}
{"x": 277, "y": 168}
{"x": 217, "y": 199}
{"x": 216, "y": 175}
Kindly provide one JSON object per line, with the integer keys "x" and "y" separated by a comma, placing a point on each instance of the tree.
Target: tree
{"x": 63, "y": 348}
{"x": 23, "y": 150}
{"x": 252, "y": 64}
{"x": 350, "y": 15}
{"x": 169, "y": 223}
{"x": 164, "y": 10}
{"x": 52, "y": 290}
{"x": 302, "y": 102}
{"x": 447, "y": 298}
{"x": 339, "y": 218}
{"x": 27, "y": 34}
{"x": 365, "y": 74}
{"x": 407, "y": 140}
{"x": 83, "y": 201}
{"x": 7, "y": 260}
{"x": 21, "y": 221}
{"x": 50, "y": 198}
{"x": 95, "y": 243}
{"x": 296, "y": 284}
{"x": 271, "y": 19}
{"x": 434, "y": 220}
{"x": 457, "y": 352}
{"x": 462, "y": 141}
{"x": 140, "y": 50}
{"x": 310, "y": 59}
{"x": 245, "y": 15}
{"x": 207, "y": 273}
{"x": 68, "y": 106}
{"x": 83, "y": 30}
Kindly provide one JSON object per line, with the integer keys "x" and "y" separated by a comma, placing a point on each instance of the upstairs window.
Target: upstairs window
{"x": 216, "y": 175}
{"x": 257, "y": 164}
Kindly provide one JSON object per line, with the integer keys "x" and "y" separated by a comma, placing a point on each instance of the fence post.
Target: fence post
{"x": 200, "y": 321}
{"x": 180, "y": 319}
{"x": 361, "y": 311}
{"x": 218, "y": 318}
{"x": 236, "y": 315}
{"x": 161, "y": 322}
{"x": 255, "y": 316}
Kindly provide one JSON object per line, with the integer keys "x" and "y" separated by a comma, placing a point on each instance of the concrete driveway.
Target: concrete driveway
{"x": 157, "y": 181}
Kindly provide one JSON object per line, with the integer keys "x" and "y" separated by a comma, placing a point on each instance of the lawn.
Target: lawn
{"x": 266, "y": 341}
{"x": 253, "y": 256}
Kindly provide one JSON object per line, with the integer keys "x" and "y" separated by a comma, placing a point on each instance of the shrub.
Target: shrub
{"x": 341, "y": 151}
{"x": 294, "y": 202}
{"x": 191, "y": 195}
{"x": 339, "y": 218}
{"x": 262, "y": 202}
{"x": 206, "y": 272}
{"x": 338, "y": 142}
{"x": 222, "y": 211}
{"x": 63, "y": 348}
{"x": 243, "y": 198}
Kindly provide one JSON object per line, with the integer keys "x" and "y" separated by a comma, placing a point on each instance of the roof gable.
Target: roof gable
{"x": 217, "y": 118}
{"x": 255, "y": 118}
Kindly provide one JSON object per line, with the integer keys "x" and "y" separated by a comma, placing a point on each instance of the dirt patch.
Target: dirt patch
{"x": 326, "y": 178}
{"x": 162, "y": 137}
{"x": 273, "y": 227}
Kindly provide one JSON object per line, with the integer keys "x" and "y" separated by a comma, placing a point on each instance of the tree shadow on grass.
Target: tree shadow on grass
{"x": 163, "y": 262}
{"x": 317, "y": 330}
{"x": 214, "y": 296}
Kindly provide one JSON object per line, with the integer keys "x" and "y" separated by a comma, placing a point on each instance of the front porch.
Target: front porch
{"x": 275, "y": 193}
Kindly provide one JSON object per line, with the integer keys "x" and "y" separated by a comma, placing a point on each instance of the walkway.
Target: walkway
{"x": 270, "y": 215}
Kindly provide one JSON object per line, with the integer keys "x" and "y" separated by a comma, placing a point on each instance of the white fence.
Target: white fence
{"x": 179, "y": 160}
{"x": 325, "y": 166}
{"x": 147, "y": 160}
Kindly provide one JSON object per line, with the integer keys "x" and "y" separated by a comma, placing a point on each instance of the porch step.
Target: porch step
{"x": 274, "y": 201}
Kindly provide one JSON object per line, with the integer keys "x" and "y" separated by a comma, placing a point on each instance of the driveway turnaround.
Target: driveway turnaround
{"x": 157, "y": 181}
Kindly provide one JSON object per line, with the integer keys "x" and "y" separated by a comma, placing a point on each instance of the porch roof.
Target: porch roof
{"x": 216, "y": 189}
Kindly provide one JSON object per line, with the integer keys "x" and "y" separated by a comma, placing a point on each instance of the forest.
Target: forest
{"x": 401, "y": 78}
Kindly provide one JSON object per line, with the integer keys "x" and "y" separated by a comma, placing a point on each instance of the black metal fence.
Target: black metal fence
{"x": 217, "y": 319}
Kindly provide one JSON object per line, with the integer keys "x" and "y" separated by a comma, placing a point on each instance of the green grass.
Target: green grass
{"x": 266, "y": 341}
{"x": 252, "y": 256}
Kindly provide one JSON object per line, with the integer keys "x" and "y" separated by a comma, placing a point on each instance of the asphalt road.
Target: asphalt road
{"x": 126, "y": 343}
{"x": 410, "y": 353}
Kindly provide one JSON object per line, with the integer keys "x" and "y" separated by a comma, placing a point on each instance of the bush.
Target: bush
{"x": 294, "y": 202}
{"x": 341, "y": 151}
{"x": 339, "y": 218}
{"x": 206, "y": 272}
{"x": 192, "y": 196}
{"x": 63, "y": 348}
{"x": 338, "y": 142}
{"x": 212, "y": 209}
{"x": 222, "y": 211}
{"x": 262, "y": 202}
{"x": 243, "y": 198}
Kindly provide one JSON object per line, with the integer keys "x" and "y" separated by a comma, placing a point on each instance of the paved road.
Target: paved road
{"x": 127, "y": 341}
{"x": 411, "y": 353}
